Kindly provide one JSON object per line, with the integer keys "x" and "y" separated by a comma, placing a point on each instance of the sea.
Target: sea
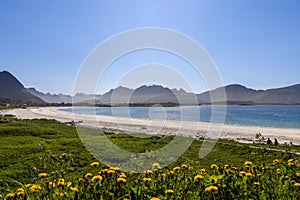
{"x": 280, "y": 116}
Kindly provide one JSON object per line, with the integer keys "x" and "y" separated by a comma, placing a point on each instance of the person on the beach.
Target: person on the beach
{"x": 276, "y": 143}
{"x": 269, "y": 142}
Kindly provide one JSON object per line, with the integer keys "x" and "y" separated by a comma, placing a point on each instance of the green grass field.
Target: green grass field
{"x": 31, "y": 147}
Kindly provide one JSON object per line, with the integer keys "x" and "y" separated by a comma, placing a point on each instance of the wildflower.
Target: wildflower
{"x": 42, "y": 175}
{"x": 97, "y": 178}
{"x": 203, "y": 170}
{"x": 51, "y": 184}
{"x": 297, "y": 184}
{"x": 277, "y": 170}
{"x": 104, "y": 171}
{"x": 122, "y": 175}
{"x": 170, "y": 172}
{"x": 94, "y": 164}
{"x": 290, "y": 160}
{"x": 256, "y": 183}
{"x": 80, "y": 180}
{"x": 212, "y": 179}
{"x": 176, "y": 169}
{"x": 114, "y": 168}
{"x": 10, "y": 195}
{"x": 211, "y": 188}
{"x": 226, "y": 166}
{"x": 234, "y": 168}
{"x": 214, "y": 166}
{"x": 74, "y": 189}
{"x": 147, "y": 179}
{"x": 169, "y": 191}
{"x": 28, "y": 185}
{"x": 88, "y": 175}
{"x": 298, "y": 174}
{"x": 184, "y": 166}
{"x": 248, "y": 174}
{"x": 275, "y": 161}
{"x": 148, "y": 172}
{"x": 61, "y": 182}
{"x": 197, "y": 178}
{"x": 20, "y": 192}
{"x": 242, "y": 173}
{"x": 110, "y": 172}
{"x": 154, "y": 198}
{"x": 121, "y": 180}
{"x": 69, "y": 184}
{"x": 248, "y": 163}
{"x": 291, "y": 164}
{"x": 35, "y": 187}
{"x": 59, "y": 193}
{"x": 163, "y": 175}
{"x": 156, "y": 165}
{"x": 190, "y": 167}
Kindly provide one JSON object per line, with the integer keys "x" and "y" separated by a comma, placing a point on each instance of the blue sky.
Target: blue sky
{"x": 254, "y": 43}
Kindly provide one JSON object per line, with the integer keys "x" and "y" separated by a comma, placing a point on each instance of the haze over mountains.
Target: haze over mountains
{"x": 11, "y": 88}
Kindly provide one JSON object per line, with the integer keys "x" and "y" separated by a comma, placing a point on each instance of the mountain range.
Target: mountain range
{"x": 11, "y": 88}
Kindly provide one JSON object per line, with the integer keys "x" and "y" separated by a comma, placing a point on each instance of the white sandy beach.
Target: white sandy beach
{"x": 127, "y": 125}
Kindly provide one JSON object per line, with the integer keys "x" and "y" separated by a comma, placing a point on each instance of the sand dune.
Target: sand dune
{"x": 194, "y": 129}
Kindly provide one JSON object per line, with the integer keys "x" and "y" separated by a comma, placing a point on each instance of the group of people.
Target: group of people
{"x": 269, "y": 143}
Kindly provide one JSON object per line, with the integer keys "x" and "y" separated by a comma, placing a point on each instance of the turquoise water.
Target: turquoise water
{"x": 267, "y": 116}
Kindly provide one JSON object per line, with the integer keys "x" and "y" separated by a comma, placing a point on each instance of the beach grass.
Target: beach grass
{"x": 30, "y": 147}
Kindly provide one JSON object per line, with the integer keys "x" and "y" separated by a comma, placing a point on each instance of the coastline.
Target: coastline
{"x": 244, "y": 134}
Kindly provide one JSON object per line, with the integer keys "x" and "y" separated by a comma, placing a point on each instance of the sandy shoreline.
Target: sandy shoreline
{"x": 126, "y": 125}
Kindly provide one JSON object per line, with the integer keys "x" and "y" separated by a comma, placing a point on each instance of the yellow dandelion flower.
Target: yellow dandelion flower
{"x": 277, "y": 170}
{"x": 147, "y": 179}
{"x": 297, "y": 184}
{"x": 94, "y": 164}
{"x": 176, "y": 169}
{"x": 28, "y": 185}
{"x": 275, "y": 161}
{"x": 212, "y": 179}
{"x": 234, "y": 168}
{"x": 163, "y": 175}
{"x": 51, "y": 184}
{"x": 248, "y": 174}
{"x": 170, "y": 172}
{"x": 10, "y": 195}
{"x": 121, "y": 180}
{"x": 35, "y": 187}
{"x": 226, "y": 166}
{"x": 80, "y": 180}
{"x": 74, "y": 189}
{"x": 97, "y": 178}
{"x": 184, "y": 166}
{"x": 156, "y": 165}
{"x": 148, "y": 172}
{"x": 154, "y": 198}
{"x": 203, "y": 170}
{"x": 211, "y": 188}
{"x": 114, "y": 168}
{"x": 87, "y": 175}
{"x": 214, "y": 166}
{"x": 256, "y": 183}
{"x": 242, "y": 173}
{"x": 61, "y": 182}
{"x": 42, "y": 175}
{"x": 290, "y": 160}
{"x": 20, "y": 192}
{"x": 59, "y": 193}
{"x": 169, "y": 191}
{"x": 122, "y": 175}
{"x": 298, "y": 174}
{"x": 248, "y": 163}
{"x": 110, "y": 172}
{"x": 190, "y": 167}
{"x": 291, "y": 164}
{"x": 69, "y": 184}
{"x": 104, "y": 171}
{"x": 197, "y": 178}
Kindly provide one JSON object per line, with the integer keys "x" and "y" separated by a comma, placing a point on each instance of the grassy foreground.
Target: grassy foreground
{"x": 43, "y": 159}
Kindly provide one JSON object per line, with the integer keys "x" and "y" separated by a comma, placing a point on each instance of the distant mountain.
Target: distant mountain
{"x": 11, "y": 88}
{"x": 238, "y": 94}
{"x": 51, "y": 98}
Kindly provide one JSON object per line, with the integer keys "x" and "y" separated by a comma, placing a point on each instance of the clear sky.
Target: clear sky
{"x": 255, "y": 43}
